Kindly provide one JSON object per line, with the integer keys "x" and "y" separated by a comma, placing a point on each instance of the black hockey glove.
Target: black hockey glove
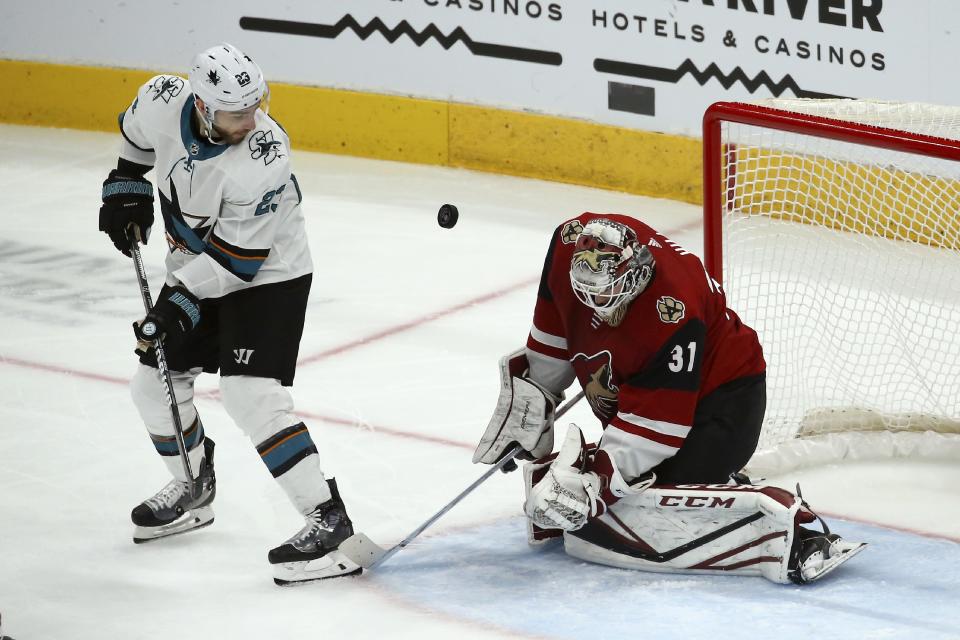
{"x": 127, "y": 203}
{"x": 176, "y": 312}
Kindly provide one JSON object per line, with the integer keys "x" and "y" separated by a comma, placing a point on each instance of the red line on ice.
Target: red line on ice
{"x": 413, "y": 324}
{"x": 430, "y": 317}
{"x": 214, "y": 394}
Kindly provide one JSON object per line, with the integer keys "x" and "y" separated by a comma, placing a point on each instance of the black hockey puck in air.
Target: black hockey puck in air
{"x": 447, "y": 216}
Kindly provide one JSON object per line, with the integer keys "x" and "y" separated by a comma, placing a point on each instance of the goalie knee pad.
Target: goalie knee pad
{"x": 715, "y": 529}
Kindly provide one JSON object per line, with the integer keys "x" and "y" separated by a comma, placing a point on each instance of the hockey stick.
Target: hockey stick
{"x": 164, "y": 371}
{"x": 368, "y": 554}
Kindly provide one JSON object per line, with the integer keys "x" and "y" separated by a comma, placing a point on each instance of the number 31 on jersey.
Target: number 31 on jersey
{"x": 677, "y": 360}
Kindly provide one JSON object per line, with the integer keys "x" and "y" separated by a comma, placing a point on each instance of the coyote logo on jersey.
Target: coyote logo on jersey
{"x": 601, "y": 393}
{"x": 164, "y": 88}
{"x": 262, "y": 145}
{"x": 671, "y": 310}
{"x": 571, "y": 231}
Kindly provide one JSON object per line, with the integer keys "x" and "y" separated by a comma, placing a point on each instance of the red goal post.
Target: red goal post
{"x": 834, "y": 226}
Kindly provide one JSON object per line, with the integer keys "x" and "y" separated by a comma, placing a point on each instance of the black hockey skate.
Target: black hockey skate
{"x": 172, "y": 510}
{"x": 816, "y": 554}
{"x": 312, "y": 554}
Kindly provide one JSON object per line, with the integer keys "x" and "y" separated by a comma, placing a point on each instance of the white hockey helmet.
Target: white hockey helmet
{"x": 226, "y": 79}
{"x": 609, "y": 267}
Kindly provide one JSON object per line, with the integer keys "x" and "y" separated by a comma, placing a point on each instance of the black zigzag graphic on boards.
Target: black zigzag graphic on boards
{"x": 403, "y": 28}
{"x": 663, "y": 74}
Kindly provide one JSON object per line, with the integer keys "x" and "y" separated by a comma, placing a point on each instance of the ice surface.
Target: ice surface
{"x": 398, "y": 375}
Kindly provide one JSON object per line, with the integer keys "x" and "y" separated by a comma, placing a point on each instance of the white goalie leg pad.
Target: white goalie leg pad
{"x": 263, "y": 408}
{"x": 710, "y": 529}
{"x": 149, "y": 394}
{"x": 524, "y": 414}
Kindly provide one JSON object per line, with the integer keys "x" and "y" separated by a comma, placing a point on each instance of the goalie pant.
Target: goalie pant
{"x": 708, "y": 529}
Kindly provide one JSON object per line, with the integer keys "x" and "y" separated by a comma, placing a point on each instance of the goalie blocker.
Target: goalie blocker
{"x": 703, "y": 528}
{"x": 524, "y": 414}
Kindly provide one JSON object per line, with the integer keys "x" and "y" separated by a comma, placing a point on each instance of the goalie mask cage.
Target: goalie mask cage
{"x": 834, "y": 227}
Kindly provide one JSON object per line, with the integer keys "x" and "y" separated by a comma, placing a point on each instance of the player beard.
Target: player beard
{"x": 231, "y": 138}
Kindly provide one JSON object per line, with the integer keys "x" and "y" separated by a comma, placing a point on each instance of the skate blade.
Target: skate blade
{"x": 836, "y": 560}
{"x": 193, "y": 519}
{"x": 332, "y": 565}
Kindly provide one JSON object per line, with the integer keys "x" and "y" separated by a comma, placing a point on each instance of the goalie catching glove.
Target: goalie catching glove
{"x": 524, "y": 415}
{"x": 578, "y": 487}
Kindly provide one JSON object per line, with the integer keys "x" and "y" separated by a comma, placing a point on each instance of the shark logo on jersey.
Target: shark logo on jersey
{"x": 185, "y": 233}
{"x": 571, "y": 231}
{"x": 167, "y": 87}
{"x": 213, "y": 77}
{"x": 601, "y": 392}
{"x": 262, "y": 145}
{"x": 197, "y": 223}
{"x": 671, "y": 310}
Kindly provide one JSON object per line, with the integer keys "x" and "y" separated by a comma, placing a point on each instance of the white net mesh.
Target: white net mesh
{"x": 846, "y": 260}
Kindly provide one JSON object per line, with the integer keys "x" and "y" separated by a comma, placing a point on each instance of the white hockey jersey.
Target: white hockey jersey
{"x": 232, "y": 212}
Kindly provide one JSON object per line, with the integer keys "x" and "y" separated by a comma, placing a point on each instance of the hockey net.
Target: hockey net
{"x": 834, "y": 226}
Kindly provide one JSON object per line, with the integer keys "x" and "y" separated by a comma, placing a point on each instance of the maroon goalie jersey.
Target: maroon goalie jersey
{"x": 676, "y": 343}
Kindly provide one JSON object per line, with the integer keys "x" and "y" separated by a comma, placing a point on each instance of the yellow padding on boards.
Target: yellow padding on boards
{"x": 362, "y": 124}
{"x": 346, "y": 122}
{"x": 575, "y": 151}
{"x": 73, "y": 97}
{"x": 846, "y": 196}
{"x": 391, "y": 127}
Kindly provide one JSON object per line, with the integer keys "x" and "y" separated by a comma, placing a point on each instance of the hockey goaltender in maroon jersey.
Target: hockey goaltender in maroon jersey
{"x": 678, "y": 383}
{"x": 650, "y": 353}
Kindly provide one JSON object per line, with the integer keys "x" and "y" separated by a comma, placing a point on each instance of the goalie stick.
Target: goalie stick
{"x": 164, "y": 371}
{"x": 368, "y": 554}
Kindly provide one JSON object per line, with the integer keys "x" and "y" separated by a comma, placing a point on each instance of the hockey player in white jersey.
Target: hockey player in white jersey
{"x": 238, "y": 276}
